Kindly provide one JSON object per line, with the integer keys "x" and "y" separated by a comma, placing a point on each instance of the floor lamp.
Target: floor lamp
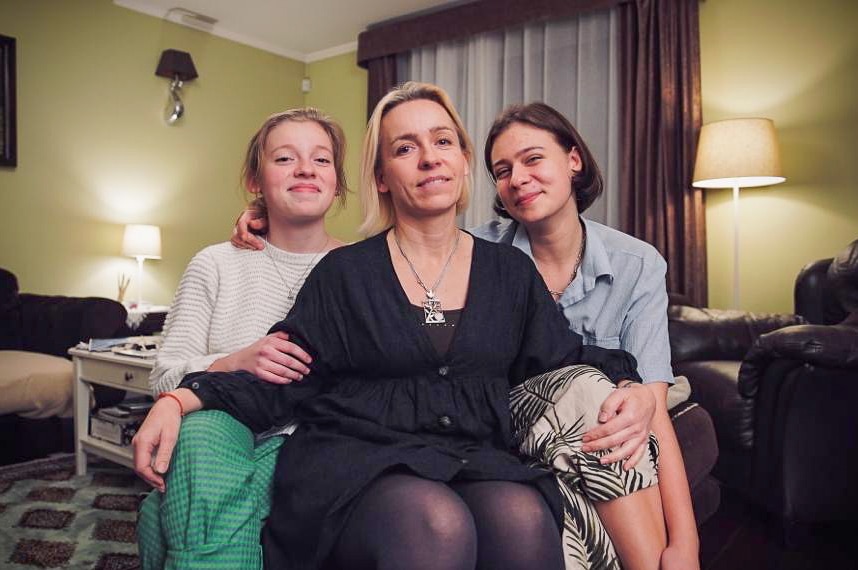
{"x": 737, "y": 153}
{"x": 141, "y": 242}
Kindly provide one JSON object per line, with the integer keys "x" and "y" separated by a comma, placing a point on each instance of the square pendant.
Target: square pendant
{"x": 432, "y": 314}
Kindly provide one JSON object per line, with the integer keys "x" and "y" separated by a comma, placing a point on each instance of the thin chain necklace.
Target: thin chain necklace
{"x": 290, "y": 295}
{"x": 578, "y": 259}
{"x": 432, "y": 313}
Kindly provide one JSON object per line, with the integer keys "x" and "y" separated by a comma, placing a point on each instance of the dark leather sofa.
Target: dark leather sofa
{"x": 783, "y": 392}
{"x": 50, "y": 325}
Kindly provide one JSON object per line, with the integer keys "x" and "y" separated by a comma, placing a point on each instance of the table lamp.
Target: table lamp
{"x": 141, "y": 242}
{"x": 737, "y": 153}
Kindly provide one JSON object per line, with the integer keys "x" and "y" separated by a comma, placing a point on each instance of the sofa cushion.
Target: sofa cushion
{"x": 678, "y": 392}
{"x": 35, "y": 385}
{"x": 714, "y": 386}
{"x": 696, "y": 435}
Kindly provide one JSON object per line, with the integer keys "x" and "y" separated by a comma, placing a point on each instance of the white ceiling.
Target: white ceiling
{"x": 306, "y": 30}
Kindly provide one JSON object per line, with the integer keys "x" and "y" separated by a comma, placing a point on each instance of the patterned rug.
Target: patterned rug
{"x": 50, "y": 518}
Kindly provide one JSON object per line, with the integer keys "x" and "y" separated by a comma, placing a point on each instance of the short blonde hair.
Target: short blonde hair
{"x": 251, "y": 171}
{"x": 378, "y": 212}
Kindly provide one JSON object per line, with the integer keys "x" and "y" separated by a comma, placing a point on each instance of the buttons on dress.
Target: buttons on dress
{"x": 195, "y": 385}
{"x": 445, "y": 421}
{"x": 443, "y": 371}
{"x": 463, "y": 461}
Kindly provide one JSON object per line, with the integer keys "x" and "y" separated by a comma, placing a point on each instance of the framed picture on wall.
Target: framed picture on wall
{"x": 8, "y": 115}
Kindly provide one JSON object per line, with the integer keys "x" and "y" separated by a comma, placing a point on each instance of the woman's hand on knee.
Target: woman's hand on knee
{"x": 156, "y": 439}
{"x": 273, "y": 358}
{"x": 251, "y": 219}
{"x": 626, "y": 419}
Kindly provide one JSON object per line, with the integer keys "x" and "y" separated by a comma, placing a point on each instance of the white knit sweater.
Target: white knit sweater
{"x": 227, "y": 299}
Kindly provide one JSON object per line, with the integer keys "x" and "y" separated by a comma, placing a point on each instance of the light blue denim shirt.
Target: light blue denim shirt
{"x": 617, "y": 300}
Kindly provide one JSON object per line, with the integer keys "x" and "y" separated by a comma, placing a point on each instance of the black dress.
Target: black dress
{"x": 380, "y": 397}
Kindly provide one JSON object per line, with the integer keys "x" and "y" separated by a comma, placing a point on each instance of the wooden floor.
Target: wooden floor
{"x": 740, "y": 537}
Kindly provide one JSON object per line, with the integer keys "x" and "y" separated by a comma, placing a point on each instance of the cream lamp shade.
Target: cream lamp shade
{"x": 142, "y": 241}
{"x": 739, "y": 153}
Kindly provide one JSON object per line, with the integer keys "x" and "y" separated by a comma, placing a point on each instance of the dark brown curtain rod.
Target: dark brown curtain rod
{"x": 465, "y": 20}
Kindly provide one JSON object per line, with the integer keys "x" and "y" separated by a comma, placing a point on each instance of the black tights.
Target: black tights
{"x": 404, "y": 521}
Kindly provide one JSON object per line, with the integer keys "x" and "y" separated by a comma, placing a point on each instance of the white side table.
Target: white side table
{"x": 106, "y": 369}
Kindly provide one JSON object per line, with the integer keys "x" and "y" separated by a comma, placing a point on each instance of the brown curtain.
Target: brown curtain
{"x": 379, "y": 44}
{"x": 661, "y": 119}
{"x": 381, "y": 77}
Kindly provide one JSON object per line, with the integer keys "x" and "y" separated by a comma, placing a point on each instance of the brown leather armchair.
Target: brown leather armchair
{"x": 782, "y": 391}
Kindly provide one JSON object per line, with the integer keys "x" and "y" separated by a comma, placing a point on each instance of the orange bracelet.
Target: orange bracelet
{"x": 175, "y": 397}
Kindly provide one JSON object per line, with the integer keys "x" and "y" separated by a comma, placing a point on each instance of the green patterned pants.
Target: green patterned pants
{"x": 219, "y": 491}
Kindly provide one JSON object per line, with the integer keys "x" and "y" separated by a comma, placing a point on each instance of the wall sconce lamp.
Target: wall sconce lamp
{"x": 179, "y": 67}
{"x": 737, "y": 153}
{"x": 141, "y": 242}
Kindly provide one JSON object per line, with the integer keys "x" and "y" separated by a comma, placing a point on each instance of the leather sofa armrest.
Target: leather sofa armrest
{"x": 830, "y": 346}
{"x": 716, "y": 334}
{"x": 53, "y": 324}
{"x": 811, "y": 290}
{"x": 10, "y": 311}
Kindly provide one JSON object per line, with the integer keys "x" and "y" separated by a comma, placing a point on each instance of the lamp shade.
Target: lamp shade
{"x": 738, "y": 153}
{"x": 175, "y": 63}
{"x": 142, "y": 241}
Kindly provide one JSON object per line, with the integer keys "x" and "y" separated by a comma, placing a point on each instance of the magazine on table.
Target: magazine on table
{"x": 137, "y": 346}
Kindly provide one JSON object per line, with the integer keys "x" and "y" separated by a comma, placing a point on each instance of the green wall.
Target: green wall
{"x": 94, "y": 152}
{"x": 339, "y": 89}
{"x": 796, "y": 63}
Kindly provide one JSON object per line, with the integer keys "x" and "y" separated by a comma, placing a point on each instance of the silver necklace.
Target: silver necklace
{"x": 578, "y": 259}
{"x": 290, "y": 295}
{"x": 432, "y": 313}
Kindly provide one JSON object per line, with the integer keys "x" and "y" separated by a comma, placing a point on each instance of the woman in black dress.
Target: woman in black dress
{"x": 404, "y": 455}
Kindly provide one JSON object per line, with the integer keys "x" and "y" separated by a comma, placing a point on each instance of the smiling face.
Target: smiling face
{"x": 534, "y": 173}
{"x": 297, "y": 175}
{"x": 422, "y": 163}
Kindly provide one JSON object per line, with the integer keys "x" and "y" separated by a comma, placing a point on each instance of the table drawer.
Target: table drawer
{"x": 118, "y": 375}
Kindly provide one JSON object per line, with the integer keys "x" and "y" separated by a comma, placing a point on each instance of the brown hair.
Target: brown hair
{"x": 251, "y": 170}
{"x": 378, "y": 213}
{"x": 587, "y": 183}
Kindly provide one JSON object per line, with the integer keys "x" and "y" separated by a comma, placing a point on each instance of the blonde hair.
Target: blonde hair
{"x": 251, "y": 171}
{"x": 378, "y": 212}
